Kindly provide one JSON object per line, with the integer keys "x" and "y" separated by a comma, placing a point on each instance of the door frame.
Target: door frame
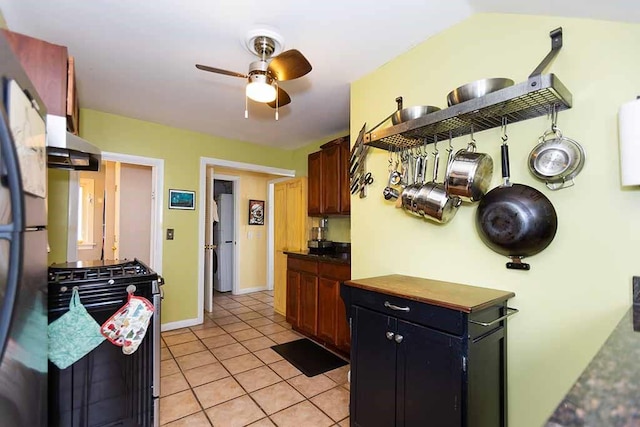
{"x": 157, "y": 202}
{"x": 206, "y": 162}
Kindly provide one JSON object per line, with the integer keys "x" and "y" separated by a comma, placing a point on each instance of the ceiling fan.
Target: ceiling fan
{"x": 273, "y": 67}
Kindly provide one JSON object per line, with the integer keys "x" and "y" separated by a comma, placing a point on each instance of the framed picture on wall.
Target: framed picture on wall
{"x": 182, "y": 199}
{"x": 256, "y": 212}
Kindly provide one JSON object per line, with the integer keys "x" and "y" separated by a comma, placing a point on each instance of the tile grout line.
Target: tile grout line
{"x": 264, "y": 364}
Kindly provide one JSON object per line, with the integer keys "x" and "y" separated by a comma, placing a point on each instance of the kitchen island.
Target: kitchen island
{"x": 608, "y": 391}
{"x": 427, "y": 353}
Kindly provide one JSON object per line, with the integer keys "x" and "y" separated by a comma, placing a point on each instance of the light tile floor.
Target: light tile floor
{"x": 223, "y": 373}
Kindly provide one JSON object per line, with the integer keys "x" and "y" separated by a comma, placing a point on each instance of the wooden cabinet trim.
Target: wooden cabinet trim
{"x": 302, "y": 265}
{"x": 334, "y": 271}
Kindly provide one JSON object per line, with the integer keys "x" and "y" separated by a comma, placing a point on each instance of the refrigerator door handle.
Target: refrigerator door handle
{"x": 13, "y": 233}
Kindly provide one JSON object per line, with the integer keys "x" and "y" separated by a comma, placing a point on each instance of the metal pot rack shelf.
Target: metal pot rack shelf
{"x": 538, "y": 96}
{"x": 533, "y": 98}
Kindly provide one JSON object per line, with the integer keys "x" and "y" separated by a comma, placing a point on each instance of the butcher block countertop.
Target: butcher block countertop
{"x": 455, "y": 296}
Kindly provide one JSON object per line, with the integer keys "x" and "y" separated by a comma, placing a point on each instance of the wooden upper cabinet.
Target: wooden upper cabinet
{"x": 329, "y": 179}
{"x": 73, "y": 108}
{"x": 315, "y": 179}
{"x": 46, "y": 66}
{"x": 52, "y": 73}
{"x": 345, "y": 195}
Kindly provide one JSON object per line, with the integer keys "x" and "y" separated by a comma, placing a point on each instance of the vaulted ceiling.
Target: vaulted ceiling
{"x": 137, "y": 58}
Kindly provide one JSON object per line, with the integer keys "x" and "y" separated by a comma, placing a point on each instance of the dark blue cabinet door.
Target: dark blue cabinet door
{"x": 373, "y": 369}
{"x": 429, "y": 382}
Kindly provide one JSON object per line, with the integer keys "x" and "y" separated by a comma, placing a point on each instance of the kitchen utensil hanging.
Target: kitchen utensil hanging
{"x": 410, "y": 192}
{"x": 357, "y": 165}
{"x": 469, "y": 173}
{"x": 556, "y": 160}
{"x": 514, "y": 219}
{"x": 431, "y": 200}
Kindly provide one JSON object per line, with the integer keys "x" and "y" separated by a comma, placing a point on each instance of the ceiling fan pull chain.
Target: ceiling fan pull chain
{"x": 277, "y": 99}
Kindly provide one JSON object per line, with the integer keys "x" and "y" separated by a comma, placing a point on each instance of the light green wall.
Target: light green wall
{"x": 579, "y": 287}
{"x": 181, "y": 151}
{"x": 57, "y": 214}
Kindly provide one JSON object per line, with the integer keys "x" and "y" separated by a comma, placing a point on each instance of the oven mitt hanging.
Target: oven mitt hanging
{"x": 128, "y": 326}
{"x": 73, "y": 335}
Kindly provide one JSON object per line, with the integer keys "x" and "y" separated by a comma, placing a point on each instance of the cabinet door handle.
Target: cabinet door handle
{"x": 395, "y": 307}
{"x": 399, "y": 338}
{"x": 390, "y": 335}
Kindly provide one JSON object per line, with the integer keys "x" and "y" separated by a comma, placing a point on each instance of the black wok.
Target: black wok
{"x": 516, "y": 220}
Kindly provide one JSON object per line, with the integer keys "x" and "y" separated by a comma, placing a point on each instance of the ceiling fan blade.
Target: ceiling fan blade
{"x": 220, "y": 71}
{"x": 283, "y": 99}
{"x": 289, "y": 65}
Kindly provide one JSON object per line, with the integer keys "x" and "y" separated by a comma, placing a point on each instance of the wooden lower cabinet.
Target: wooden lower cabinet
{"x": 293, "y": 298}
{"x": 309, "y": 303}
{"x": 327, "y": 309}
{"x": 318, "y": 309}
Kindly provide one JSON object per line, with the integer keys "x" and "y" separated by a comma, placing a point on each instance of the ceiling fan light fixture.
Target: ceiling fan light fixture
{"x": 261, "y": 89}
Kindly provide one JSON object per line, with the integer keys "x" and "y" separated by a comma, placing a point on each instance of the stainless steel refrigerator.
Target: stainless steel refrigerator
{"x": 23, "y": 249}
{"x": 223, "y": 239}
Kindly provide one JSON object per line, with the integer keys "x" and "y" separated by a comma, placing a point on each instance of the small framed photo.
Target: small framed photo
{"x": 182, "y": 199}
{"x": 256, "y": 212}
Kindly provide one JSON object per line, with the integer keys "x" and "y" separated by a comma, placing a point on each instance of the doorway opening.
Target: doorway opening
{"x": 220, "y": 272}
{"x": 245, "y": 234}
{"x": 116, "y": 213}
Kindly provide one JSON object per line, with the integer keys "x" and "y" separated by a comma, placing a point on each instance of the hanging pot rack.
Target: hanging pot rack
{"x": 535, "y": 97}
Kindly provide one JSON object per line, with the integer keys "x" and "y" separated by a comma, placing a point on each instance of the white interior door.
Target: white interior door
{"x": 209, "y": 250}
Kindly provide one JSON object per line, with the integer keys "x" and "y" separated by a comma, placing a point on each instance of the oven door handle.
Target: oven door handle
{"x": 157, "y": 304}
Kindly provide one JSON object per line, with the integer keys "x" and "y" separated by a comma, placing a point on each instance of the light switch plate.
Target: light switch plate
{"x": 169, "y": 233}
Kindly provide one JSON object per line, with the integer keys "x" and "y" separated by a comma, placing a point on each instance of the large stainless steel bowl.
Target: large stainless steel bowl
{"x": 411, "y": 113}
{"x": 477, "y": 89}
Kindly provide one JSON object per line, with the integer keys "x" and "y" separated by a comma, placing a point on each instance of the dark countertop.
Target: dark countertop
{"x": 608, "y": 391}
{"x": 337, "y": 258}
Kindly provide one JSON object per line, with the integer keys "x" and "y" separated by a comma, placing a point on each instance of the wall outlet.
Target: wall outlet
{"x": 169, "y": 233}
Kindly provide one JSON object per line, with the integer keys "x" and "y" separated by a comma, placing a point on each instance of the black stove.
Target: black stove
{"x": 85, "y": 271}
{"x": 106, "y": 387}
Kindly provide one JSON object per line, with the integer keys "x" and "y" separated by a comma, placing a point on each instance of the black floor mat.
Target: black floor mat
{"x": 309, "y": 357}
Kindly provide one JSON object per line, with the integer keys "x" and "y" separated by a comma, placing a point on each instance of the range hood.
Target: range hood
{"x": 68, "y": 151}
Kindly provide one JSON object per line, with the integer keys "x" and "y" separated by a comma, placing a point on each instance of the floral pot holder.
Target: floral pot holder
{"x": 128, "y": 326}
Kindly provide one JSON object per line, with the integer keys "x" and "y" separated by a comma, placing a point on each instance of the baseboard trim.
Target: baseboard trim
{"x": 180, "y": 324}
{"x": 249, "y": 290}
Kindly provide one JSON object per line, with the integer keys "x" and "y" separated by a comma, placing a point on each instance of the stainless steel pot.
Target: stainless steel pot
{"x": 433, "y": 202}
{"x": 469, "y": 174}
{"x": 557, "y": 160}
